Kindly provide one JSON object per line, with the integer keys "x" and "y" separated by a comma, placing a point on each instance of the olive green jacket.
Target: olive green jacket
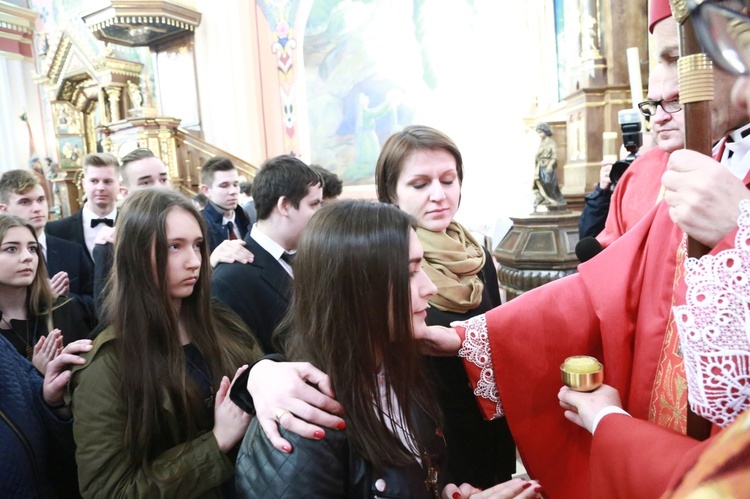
{"x": 191, "y": 469}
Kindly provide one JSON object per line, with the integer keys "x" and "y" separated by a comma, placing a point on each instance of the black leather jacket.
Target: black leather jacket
{"x": 329, "y": 468}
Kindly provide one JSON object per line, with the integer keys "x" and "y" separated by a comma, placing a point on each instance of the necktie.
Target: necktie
{"x": 288, "y": 258}
{"x": 106, "y": 221}
{"x": 230, "y": 228}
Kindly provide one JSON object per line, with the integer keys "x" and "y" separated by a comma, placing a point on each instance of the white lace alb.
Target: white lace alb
{"x": 476, "y": 349}
{"x": 714, "y": 329}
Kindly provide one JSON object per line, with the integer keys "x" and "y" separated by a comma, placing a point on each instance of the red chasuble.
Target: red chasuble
{"x": 615, "y": 309}
{"x": 636, "y": 194}
{"x": 635, "y": 458}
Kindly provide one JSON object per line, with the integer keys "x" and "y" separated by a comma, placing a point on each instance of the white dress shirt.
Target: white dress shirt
{"x": 90, "y": 233}
{"x": 42, "y": 238}
{"x": 235, "y": 229}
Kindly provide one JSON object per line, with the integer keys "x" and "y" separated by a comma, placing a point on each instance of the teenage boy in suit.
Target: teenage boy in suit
{"x": 225, "y": 219}
{"x": 287, "y": 193}
{"x": 101, "y": 184}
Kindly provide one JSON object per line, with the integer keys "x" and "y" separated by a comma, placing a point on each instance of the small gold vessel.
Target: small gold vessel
{"x": 582, "y": 373}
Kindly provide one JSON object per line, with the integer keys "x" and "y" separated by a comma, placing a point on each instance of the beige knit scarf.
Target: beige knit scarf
{"x": 453, "y": 260}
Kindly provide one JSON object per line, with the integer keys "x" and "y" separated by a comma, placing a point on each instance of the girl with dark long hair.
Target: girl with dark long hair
{"x": 355, "y": 315}
{"x": 358, "y": 310}
{"x": 146, "y": 421}
{"x": 31, "y": 319}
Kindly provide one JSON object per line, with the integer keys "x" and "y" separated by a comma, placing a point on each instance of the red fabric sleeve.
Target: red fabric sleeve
{"x": 530, "y": 337}
{"x": 635, "y": 458}
{"x": 615, "y": 309}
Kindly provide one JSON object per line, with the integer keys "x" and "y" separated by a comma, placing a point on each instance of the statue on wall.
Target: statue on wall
{"x": 135, "y": 95}
{"x": 546, "y": 188}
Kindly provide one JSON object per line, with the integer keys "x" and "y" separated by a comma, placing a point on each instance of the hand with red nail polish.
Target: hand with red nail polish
{"x": 299, "y": 388}
{"x": 516, "y": 488}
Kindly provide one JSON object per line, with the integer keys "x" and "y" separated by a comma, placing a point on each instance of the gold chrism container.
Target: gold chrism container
{"x": 582, "y": 373}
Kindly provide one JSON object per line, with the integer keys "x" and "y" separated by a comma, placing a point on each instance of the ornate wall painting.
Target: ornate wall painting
{"x": 368, "y": 65}
{"x": 71, "y": 151}
{"x": 67, "y": 119}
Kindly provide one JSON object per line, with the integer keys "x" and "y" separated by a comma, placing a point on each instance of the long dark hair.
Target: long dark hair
{"x": 39, "y": 299}
{"x": 351, "y": 317}
{"x": 151, "y": 356}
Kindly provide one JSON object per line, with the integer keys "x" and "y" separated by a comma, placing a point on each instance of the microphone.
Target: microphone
{"x": 587, "y": 248}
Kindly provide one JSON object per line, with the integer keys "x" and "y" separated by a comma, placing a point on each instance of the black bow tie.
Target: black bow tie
{"x": 105, "y": 221}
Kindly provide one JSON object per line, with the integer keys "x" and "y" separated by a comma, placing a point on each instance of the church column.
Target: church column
{"x": 114, "y": 93}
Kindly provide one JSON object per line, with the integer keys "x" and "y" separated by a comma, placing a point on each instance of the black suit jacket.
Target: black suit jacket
{"x": 259, "y": 292}
{"x": 71, "y": 229}
{"x": 217, "y": 233}
{"x": 69, "y": 257}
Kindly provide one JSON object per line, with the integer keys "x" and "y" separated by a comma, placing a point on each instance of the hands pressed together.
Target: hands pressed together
{"x": 47, "y": 348}
{"x": 105, "y": 235}
{"x": 59, "y": 284}
{"x": 604, "y": 180}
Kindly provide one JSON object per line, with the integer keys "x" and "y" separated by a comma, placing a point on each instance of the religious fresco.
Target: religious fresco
{"x": 366, "y": 64}
{"x": 67, "y": 119}
{"x": 371, "y": 67}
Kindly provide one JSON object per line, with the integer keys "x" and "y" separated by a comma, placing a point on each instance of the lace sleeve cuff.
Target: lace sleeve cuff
{"x": 477, "y": 356}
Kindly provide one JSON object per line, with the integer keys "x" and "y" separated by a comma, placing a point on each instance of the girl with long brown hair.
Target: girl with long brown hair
{"x": 358, "y": 313}
{"x": 146, "y": 421}
{"x": 355, "y": 314}
{"x": 31, "y": 319}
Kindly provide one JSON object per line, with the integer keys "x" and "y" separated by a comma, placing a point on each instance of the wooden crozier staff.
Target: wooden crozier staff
{"x": 696, "y": 81}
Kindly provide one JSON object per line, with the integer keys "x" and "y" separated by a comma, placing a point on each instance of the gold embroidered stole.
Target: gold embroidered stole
{"x": 668, "y": 406}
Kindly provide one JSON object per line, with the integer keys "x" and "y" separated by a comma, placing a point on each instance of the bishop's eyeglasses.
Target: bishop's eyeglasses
{"x": 648, "y": 108}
